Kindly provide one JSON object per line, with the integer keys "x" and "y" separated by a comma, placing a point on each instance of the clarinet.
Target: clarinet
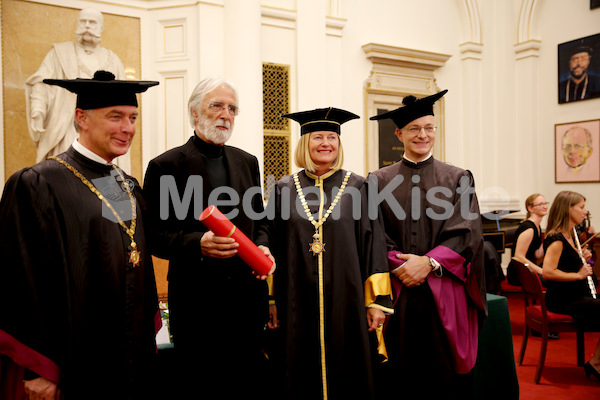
{"x": 580, "y": 251}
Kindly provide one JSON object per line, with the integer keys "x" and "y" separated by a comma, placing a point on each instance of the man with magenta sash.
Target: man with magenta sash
{"x": 435, "y": 251}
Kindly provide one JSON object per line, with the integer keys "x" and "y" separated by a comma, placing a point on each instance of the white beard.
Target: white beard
{"x": 213, "y": 134}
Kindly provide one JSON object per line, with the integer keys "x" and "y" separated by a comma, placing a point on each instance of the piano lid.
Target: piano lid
{"x": 497, "y": 214}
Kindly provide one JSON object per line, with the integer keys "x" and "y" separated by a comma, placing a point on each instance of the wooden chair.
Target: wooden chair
{"x": 538, "y": 318}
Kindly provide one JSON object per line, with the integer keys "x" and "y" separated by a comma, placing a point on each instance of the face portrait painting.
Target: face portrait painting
{"x": 579, "y": 69}
{"x": 577, "y": 155}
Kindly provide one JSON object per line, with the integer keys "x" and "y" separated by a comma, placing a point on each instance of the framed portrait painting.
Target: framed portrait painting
{"x": 578, "y": 69}
{"x": 577, "y": 152}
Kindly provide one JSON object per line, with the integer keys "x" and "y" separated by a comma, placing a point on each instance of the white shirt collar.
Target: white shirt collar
{"x": 416, "y": 162}
{"x": 84, "y": 151}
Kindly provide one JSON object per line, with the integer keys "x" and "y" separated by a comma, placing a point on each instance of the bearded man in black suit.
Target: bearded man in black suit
{"x": 218, "y": 309}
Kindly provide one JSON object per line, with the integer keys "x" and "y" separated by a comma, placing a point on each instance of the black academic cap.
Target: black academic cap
{"x": 321, "y": 119}
{"x": 412, "y": 109}
{"x": 103, "y": 90}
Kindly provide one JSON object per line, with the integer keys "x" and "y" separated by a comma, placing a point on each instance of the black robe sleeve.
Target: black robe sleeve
{"x": 33, "y": 281}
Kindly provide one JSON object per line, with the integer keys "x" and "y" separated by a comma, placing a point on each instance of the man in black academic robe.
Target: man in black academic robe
{"x": 80, "y": 289}
{"x": 218, "y": 308}
{"x": 436, "y": 254}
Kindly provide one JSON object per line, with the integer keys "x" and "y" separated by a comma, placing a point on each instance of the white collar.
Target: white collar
{"x": 87, "y": 153}
{"x": 416, "y": 162}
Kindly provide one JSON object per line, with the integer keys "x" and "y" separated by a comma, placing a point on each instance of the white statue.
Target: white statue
{"x": 51, "y": 109}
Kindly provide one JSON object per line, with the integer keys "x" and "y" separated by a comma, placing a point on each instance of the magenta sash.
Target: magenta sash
{"x": 450, "y": 292}
{"x": 28, "y": 358}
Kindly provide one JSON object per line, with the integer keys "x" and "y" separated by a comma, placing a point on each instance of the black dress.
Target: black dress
{"x": 572, "y": 297}
{"x": 536, "y": 241}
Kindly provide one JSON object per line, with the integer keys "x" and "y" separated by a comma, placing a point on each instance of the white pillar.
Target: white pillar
{"x": 312, "y": 54}
{"x": 471, "y": 56}
{"x": 526, "y": 111}
{"x": 243, "y": 66}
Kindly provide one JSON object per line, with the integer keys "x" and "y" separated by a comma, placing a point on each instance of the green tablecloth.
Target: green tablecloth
{"x": 495, "y": 374}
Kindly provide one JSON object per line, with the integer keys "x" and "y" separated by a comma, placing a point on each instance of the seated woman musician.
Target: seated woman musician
{"x": 571, "y": 286}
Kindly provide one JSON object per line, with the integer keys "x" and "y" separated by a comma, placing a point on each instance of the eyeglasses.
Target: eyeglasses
{"x": 576, "y": 147}
{"x": 219, "y": 106}
{"x": 541, "y": 204}
{"x": 415, "y": 130}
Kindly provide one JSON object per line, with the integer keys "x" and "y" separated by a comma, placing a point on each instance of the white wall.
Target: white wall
{"x": 502, "y": 74}
{"x": 408, "y": 24}
{"x": 559, "y": 22}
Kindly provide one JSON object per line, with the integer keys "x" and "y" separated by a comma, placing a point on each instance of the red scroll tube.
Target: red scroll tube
{"x": 214, "y": 220}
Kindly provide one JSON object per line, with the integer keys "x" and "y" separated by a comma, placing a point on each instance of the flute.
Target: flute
{"x": 580, "y": 251}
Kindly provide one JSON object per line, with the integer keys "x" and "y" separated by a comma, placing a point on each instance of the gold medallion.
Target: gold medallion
{"x": 316, "y": 247}
{"x": 134, "y": 257}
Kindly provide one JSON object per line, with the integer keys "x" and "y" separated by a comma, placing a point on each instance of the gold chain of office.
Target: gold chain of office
{"x": 317, "y": 246}
{"x": 134, "y": 255}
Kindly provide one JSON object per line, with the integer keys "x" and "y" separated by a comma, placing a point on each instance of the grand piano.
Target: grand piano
{"x": 499, "y": 228}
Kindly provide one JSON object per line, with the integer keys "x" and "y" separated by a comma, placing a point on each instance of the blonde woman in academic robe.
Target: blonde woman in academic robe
{"x": 333, "y": 284}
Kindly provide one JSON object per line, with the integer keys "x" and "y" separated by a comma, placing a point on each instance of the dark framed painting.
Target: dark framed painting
{"x": 577, "y": 155}
{"x": 579, "y": 69}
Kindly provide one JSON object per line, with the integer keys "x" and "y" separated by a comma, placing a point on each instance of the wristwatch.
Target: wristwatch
{"x": 434, "y": 264}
